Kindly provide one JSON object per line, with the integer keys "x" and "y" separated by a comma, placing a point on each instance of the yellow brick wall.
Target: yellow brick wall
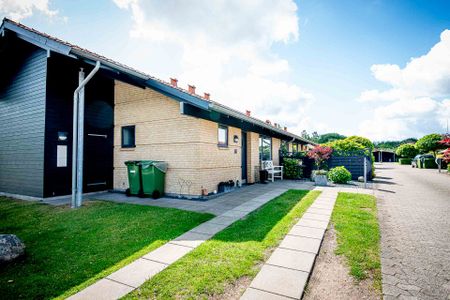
{"x": 276, "y": 144}
{"x": 253, "y": 163}
{"x": 188, "y": 144}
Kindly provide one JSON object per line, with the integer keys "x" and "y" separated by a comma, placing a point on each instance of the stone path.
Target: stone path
{"x": 130, "y": 277}
{"x": 285, "y": 273}
{"x": 215, "y": 206}
{"x": 414, "y": 215}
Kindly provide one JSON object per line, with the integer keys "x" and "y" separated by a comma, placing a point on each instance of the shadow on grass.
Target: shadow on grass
{"x": 66, "y": 248}
{"x": 232, "y": 254}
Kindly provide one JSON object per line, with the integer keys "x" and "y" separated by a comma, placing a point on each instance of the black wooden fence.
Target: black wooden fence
{"x": 351, "y": 160}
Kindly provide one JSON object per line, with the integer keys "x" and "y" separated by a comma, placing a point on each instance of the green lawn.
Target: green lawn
{"x": 358, "y": 235}
{"x": 70, "y": 249}
{"x": 233, "y": 253}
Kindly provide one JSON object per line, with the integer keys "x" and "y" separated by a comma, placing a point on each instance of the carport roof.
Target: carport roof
{"x": 54, "y": 44}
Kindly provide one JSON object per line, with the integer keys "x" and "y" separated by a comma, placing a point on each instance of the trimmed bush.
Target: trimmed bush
{"x": 448, "y": 168}
{"x": 406, "y": 150}
{"x": 405, "y": 161}
{"x": 292, "y": 169}
{"x": 339, "y": 175}
{"x": 429, "y": 163}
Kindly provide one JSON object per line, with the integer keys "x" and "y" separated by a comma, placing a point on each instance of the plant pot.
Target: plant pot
{"x": 321, "y": 180}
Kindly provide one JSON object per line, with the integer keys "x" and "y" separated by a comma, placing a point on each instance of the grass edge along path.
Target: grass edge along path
{"x": 69, "y": 249}
{"x": 358, "y": 235}
{"x": 232, "y": 254}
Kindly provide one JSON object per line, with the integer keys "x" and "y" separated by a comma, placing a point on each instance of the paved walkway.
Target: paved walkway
{"x": 414, "y": 215}
{"x": 135, "y": 274}
{"x": 215, "y": 206}
{"x": 285, "y": 273}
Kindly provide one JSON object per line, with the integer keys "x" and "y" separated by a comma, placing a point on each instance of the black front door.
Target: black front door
{"x": 98, "y": 147}
{"x": 244, "y": 156}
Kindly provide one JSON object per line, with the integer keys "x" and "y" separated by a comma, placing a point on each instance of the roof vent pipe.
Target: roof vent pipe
{"x": 191, "y": 89}
{"x": 206, "y": 96}
{"x": 248, "y": 113}
{"x": 174, "y": 82}
{"x": 78, "y": 136}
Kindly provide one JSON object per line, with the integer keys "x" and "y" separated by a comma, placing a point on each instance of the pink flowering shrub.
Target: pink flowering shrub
{"x": 320, "y": 154}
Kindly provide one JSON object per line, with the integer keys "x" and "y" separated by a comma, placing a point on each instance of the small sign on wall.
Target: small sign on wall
{"x": 61, "y": 156}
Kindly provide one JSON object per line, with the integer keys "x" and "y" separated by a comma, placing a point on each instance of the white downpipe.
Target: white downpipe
{"x": 78, "y": 136}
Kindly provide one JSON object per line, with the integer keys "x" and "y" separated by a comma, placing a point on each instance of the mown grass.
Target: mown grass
{"x": 358, "y": 235}
{"x": 66, "y": 249}
{"x": 231, "y": 254}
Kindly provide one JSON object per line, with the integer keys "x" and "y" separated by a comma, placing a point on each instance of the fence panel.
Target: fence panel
{"x": 353, "y": 163}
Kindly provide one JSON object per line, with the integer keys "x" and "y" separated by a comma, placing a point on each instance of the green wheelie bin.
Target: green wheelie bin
{"x": 153, "y": 177}
{"x": 134, "y": 178}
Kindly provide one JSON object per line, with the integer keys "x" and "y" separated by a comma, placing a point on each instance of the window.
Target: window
{"x": 222, "y": 136}
{"x": 128, "y": 136}
{"x": 265, "y": 147}
{"x": 294, "y": 148}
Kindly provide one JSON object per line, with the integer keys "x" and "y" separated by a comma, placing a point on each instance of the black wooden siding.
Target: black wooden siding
{"x": 62, "y": 80}
{"x": 22, "y": 118}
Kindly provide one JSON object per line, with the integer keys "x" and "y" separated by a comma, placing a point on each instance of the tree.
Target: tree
{"x": 394, "y": 144}
{"x": 446, "y": 142}
{"x": 320, "y": 154}
{"x": 430, "y": 143}
{"x": 345, "y": 145}
{"x": 315, "y": 137}
{"x": 363, "y": 141}
{"x": 330, "y": 137}
{"x": 305, "y": 135}
{"x": 406, "y": 150}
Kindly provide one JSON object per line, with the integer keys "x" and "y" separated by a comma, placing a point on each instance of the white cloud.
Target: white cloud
{"x": 224, "y": 47}
{"x": 21, "y": 9}
{"x": 418, "y": 95}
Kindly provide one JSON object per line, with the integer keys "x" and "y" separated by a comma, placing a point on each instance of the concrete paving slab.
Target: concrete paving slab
{"x": 320, "y": 211}
{"x": 316, "y": 233}
{"x": 281, "y": 281}
{"x": 103, "y": 289}
{"x": 168, "y": 253}
{"x": 252, "y": 294}
{"x": 234, "y": 214}
{"x": 324, "y": 201}
{"x": 137, "y": 272}
{"x": 313, "y": 216}
{"x": 301, "y": 261}
{"x": 301, "y": 243}
{"x": 223, "y": 220}
{"x": 312, "y": 223}
{"x": 191, "y": 239}
{"x": 209, "y": 228}
{"x": 247, "y": 208}
{"x": 323, "y": 206}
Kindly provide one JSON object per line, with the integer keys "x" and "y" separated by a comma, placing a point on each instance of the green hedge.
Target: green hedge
{"x": 429, "y": 163}
{"x": 405, "y": 161}
{"x": 448, "y": 168}
{"x": 292, "y": 169}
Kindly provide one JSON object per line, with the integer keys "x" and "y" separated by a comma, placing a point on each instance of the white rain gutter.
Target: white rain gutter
{"x": 78, "y": 136}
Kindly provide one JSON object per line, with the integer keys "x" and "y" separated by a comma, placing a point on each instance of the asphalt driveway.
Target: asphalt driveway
{"x": 414, "y": 213}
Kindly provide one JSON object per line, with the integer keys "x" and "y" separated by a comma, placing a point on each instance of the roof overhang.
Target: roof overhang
{"x": 210, "y": 110}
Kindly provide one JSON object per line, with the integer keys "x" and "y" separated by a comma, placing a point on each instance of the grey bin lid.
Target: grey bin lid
{"x": 160, "y": 165}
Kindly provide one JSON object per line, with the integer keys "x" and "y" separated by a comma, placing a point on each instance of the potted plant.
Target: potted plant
{"x": 320, "y": 154}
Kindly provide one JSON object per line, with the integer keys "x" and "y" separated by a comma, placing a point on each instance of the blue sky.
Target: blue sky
{"x": 374, "y": 68}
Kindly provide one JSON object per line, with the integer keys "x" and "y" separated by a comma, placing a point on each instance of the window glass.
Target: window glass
{"x": 265, "y": 147}
{"x": 294, "y": 148}
{"x": 128, "y": 137}
{"x": 222, "y": 137}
